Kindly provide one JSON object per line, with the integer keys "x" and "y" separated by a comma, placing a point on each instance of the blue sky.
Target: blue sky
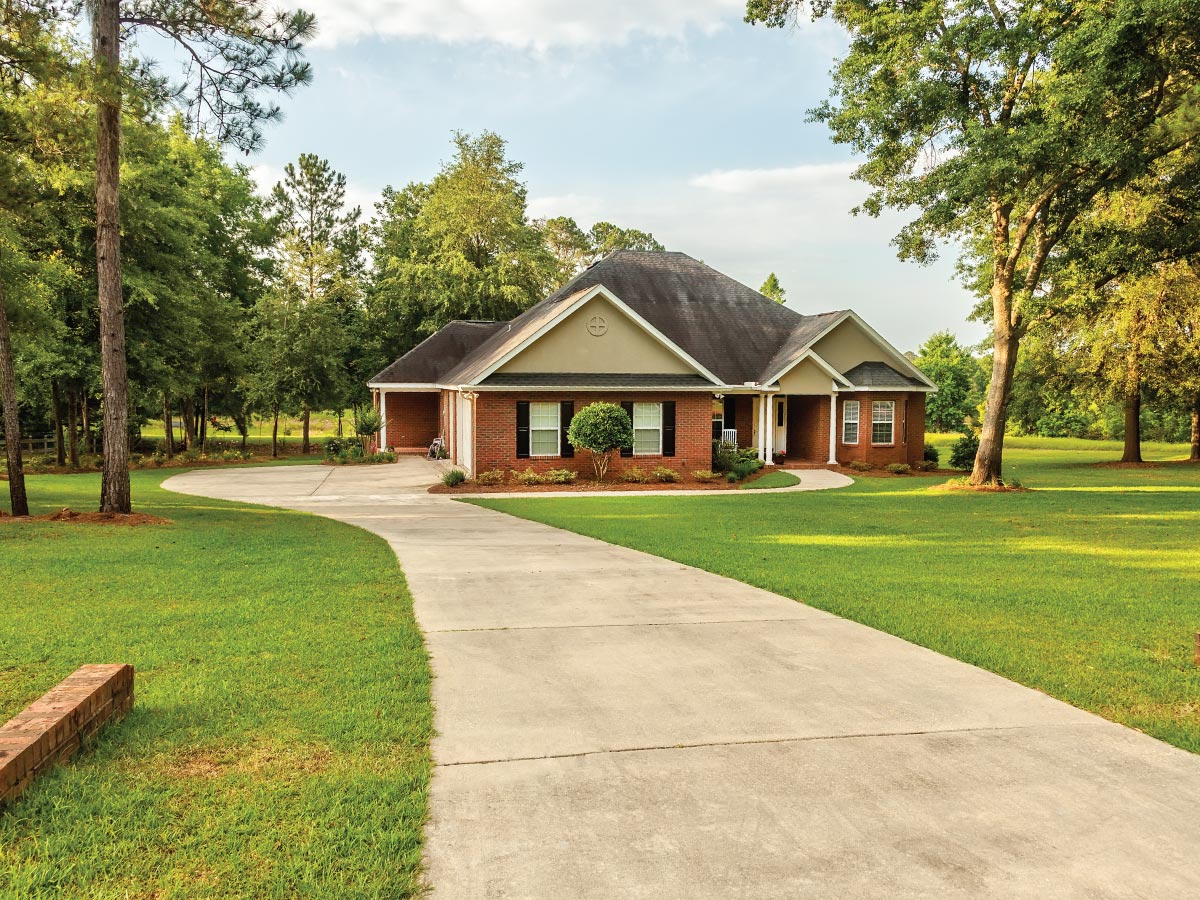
{"x": 668, "y": 115}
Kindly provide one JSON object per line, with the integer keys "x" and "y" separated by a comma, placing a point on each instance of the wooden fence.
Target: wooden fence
{"x": 44, "y": 444}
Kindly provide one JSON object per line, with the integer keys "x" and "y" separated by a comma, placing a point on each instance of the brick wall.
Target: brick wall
{"x": 908, "y": 445}
{"x": 808, "y": 429}
{"x": 412, "y": 419}
{"x": 496, "y": 433}
{"x": 55, "y": 726}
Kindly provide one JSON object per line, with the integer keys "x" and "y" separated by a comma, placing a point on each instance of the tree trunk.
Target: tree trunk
{"x": 1195, "y": 454}
{"x": 304, "y": 443}
{"x": 114, "y": 485}
{"x": 12, "y": 423}
{"x": 275, "y": 437}
{"x": 72, "y": 429}
{"x": 60, "y": 448}
{"x": 85, "y": 425}
{"x": 990, "y": 458}
{"x": 1133, "y": 409}
{"x": 168, "y": 426}
{"x": 187, "y": 409}
{"x": 204, "y": 423}
{"x": 341, "y": 412}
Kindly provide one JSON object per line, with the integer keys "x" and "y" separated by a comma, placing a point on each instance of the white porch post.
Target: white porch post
{"x": 762, "y": 427}
{"x": 769, "y": 403}
{"x": 383, "y": 417}
{"x": 833, "y": 428}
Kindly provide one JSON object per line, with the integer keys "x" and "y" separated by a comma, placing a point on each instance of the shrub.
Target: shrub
{"x": 743, "y": 468}
{"x": 601, "y": 428}
{"x": 932, "y": 455}
{"x": 705, "y": 475}
{"x": 731, "y": 477}
{"x": 962, "y": 454}
{"x": 898, "y": 468}
{"x": 635, "y": 476}
{"x": 859, "y": 465}
{"x": 454, "y": 477}
{"x": 723, "y": 456}
{"x": 491, "y": 476}
{"x": 926, "y": 465}
{"x": 665, "y": 475}
{"x": 528, "y": 477}
{"x": 366, "y": 425}
{"x": 190, "y": 455}
{"x": 158, "y": 458}
{"x": 561, "y": 476}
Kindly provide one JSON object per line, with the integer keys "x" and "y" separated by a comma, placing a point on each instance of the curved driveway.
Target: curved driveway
{"x": 614, "y": 725}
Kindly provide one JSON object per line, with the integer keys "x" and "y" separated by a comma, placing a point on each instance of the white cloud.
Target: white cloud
{"x": 748, "y": 181}
{"x": 532, "y": 24}
{"x": 583, "y": 208}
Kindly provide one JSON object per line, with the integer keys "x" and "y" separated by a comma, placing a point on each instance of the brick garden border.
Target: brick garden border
{"x": 51, "y": 729}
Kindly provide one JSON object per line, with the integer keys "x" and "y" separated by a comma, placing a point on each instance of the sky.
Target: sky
{"x": 672, "y": 116}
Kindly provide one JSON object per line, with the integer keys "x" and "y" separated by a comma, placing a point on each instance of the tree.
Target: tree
{"x": 601, "y": 428}
{"x": 606, "y": 238}
{"x": 236, "y": 48}
{"x": 1004, "y": 123}
{"x": 773, "y": 289}
{"x": 576, "y": 249}
{"x": 952, "y": 368}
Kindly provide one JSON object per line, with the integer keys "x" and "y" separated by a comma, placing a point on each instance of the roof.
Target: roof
{"x": 432, "y": 359}
{"x": 558, "y": 379}
{"x": 724, "y": 327}
{"x": 881, "y": 375}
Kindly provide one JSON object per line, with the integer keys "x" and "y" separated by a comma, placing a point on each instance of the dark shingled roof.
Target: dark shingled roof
{"x": 881, "y": 375}
{"x": 732, "y": 331}
{"x": 556, "y": 379}
{"x": 435, "y": 356}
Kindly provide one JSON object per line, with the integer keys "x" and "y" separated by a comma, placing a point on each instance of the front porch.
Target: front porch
{"x": 795, "y": 425}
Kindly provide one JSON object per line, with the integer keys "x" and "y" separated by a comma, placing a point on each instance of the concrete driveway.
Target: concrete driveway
{"x": 614, "y": 725}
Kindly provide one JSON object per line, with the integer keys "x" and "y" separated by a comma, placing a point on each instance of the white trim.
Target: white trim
{"x": 409, "y": 386}
{"x": 857, "y": 421}
{"x": 762, "y": 427}
{"x": 768, "y": 403}
{"x": 833, "y": 420}
{"x": 561, "y": 388}
{"x": 557, "y": 429}
{"x": 891, "y": 442}
{"x": 633, "y": 421}
{"x": 598, "y": 290}
{"x": 808, "y": 353}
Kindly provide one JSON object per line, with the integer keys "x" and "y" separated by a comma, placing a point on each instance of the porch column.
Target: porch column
{"x": 383, "y": 416}
{"x": 762, "y": 427}
{"x": 833, "y": 428}
{"x": 769, "y": 403}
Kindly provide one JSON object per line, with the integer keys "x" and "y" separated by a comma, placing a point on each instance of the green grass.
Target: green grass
{"x": 771, "y": 480}
{"x": 1086, "y": 587}
{"x": 278, "y": 745}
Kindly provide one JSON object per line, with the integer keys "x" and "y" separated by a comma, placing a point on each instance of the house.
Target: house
{"x": 691, "y": 354}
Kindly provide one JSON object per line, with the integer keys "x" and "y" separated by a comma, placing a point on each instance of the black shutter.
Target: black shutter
{"x": 522, "y": 429}
{"x": 730, "y": 409}
{"x": 668, "y": 427}
{"x": 627, "y": 405}
{"x": 566, "y": 412}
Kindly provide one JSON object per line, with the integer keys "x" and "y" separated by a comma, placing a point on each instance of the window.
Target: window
{"x": 780, "y": 413}
{"x": 883, "y": 421}
{"x": 543, "y": 429}
{"x": 718, "y": 418}
{"x": 850, "y": 422}
{"x": 647, "y": 429}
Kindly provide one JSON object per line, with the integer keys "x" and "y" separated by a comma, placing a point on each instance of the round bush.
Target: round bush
{"x": 601, "y": 428}
{"x": 962, "y": 454}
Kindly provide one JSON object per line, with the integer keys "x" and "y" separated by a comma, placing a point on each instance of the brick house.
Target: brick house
{"x": 690, "y": 353}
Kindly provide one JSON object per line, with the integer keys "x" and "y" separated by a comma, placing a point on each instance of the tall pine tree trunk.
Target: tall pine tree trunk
{"x": 275, "y": 436}
{"x": 1133, "y": 408}
{"x": 85, "y": 425}
{"x": 1195, "y": 454}
{"x": 204, "y": 423}
{"x": 307, "y": 419}
{"x": 187, "y": 409}
{"x": 168, "y": 426}
{"x": 114, "y": 485}
{"x": 72, "y": 429}
{"x": 60, "y": 448}
{"x": 12, "y": 424}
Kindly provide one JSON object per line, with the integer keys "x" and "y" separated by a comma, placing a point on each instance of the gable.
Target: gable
{"x": 806, "y": 377}
{"x": 850, "y": 344}
{"x": 623, "y": 347}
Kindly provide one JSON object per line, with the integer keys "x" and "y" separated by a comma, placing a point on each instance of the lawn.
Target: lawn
{"x": 278, "y": 745}
{"x": 1086, "y": 587}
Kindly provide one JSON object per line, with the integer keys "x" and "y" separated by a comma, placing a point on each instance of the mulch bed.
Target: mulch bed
{"x": 583, "y": 487}
{"x": 884, "y": 473}
{"x": 90, "y": 518}
{"x": 980, "y": 489}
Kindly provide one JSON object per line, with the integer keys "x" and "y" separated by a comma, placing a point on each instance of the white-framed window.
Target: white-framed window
{"x": 850, "y": 412}
{"x": 883, "y": 422}
{"x": 647, "y": 429}
{"x": 544, "y": 429}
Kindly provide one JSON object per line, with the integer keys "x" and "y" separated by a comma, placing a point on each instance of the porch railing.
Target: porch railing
{"x": 729, "y": 436}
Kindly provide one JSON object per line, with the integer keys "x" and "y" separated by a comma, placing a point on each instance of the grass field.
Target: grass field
{"x": 291, "y": 429}
{"x": 1086, "y": 587}
{"x": 278, "y": 746}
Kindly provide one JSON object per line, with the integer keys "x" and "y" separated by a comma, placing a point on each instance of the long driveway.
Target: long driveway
{"x": 614, "y": 725}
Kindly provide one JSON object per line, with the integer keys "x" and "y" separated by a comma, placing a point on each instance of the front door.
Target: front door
{"x": 780, "y": 404}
